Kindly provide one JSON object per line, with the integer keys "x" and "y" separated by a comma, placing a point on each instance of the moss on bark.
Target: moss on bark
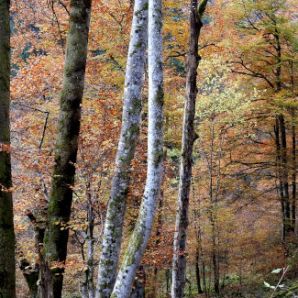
{"x": 55, "y": 241}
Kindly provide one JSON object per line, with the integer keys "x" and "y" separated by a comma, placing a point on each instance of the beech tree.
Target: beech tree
{"x": 56, "y": 235}
{"x": 131, "y": 118}
{"x": 179, "y": 259}
{"x": 274, "y": 54}
{"x": 7, "y": 238}
{"x": 236, "y": 190}
{"x": 141, "y": 233}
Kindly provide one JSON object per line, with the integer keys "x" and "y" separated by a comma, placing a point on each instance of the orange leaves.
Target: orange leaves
{"x": 5, "y": 148}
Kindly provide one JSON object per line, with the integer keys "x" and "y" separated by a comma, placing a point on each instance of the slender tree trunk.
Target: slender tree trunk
{"x": 168, "y": 281}
{"x": 197, "y": 217}
{"x": 179, "y": 258}
{"x": 282, "y": 174}
{"x": 139, "y": 287}
{"x": 7, "y": 237}
{"x": 215, "y": 264}
{"x": 198, "y": 272}
{"x": 278, "y": 174}
{"x": 56, "y": 238}
{"x": 282, "y": 149}
{"x": 131, "y": 119}
{"x": 90, "y": 251}
{"x": 141, "y": 233}
{"x": 88, "y": 288}
{"x": 284, "y": 171}
{"x": 293, "y": 170}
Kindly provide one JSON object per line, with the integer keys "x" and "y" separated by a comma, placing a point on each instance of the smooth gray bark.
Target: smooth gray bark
{"x": 131, "y": 119}
{"x": 7, "y": 237}
{"x": 141, "y": 233}
{"x": 188, "y": 138}
{"x": 56, "y": 236}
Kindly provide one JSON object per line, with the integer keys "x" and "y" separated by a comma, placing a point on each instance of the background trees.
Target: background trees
{"x": 236, "y": 216}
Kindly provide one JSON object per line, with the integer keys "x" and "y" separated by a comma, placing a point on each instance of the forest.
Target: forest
{"x": 148, "y": 148}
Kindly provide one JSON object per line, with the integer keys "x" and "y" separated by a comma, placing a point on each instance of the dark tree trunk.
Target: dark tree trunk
{"x": 138, "y": 290}
{"x": 31, "y": 272}
{"x": 168, "y": 281}
{"x": 214, "y": 254}
{"x": 188, "y": 138}
{"x": 198, "y": 272}
{"x": 293, "y": 170}
{"x": 88, "y": 287}
{"x": 281, "y": 148}
{"x": 55, "y": 241}
{"x": 7, "y": 237}
{"x": 283, "y": 175}
{"x": 31, "y": 275}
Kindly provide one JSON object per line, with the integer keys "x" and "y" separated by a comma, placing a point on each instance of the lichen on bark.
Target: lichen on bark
{"x": 131, "y": 118}
{"x": 141, "y": 233}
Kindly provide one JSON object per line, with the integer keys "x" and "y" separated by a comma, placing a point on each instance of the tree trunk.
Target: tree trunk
{"x": 131, "y": 118}
{"x": 31, "y": 275}
{"x": 157, "y": 242}
{"x": 198, "y": 253}
{"x": 168, "y": 282}
{"x": 139, "y": 286}
{"x": 284, "y": 171}
{"x": 141, "y": 233}
{"x": 198, "y": 272}
{"x": 282, "y": 146}
{"x": 294, "y": 174}
{"x": 179, "y": 258}
{"x": 282, "y": 174}
{"x": 7, "y": 237}
{"x": 214, "y": 256}
{"x": 31, "y": 272}
{"x": 56, "y": 236}
{"x": 88, "y": 288}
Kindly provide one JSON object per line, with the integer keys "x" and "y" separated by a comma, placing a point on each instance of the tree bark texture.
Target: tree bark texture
{"x": 293, "y": 171}
{"x": 131, "y": 119}
{"x": 88, "y": 287}
{"x": 56, "y": 235}
{"x": 179, "y": 258}
{"x": 282, "y": 174}
{"x": 7, "y": 237}
{"x": 141, "y": 233}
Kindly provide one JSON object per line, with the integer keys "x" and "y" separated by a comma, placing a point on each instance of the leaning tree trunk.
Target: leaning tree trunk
{"x": 179, "y": 258}
{"x": 7, "y": 238}
{"x": 56, "y": 236}
{"x": 141, "y": 233}
{"x": 131, "y": 119}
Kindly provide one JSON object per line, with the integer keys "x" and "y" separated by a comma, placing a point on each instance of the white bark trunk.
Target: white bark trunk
{"x": 140, "y": 236}
{"x": 131, "y": 119}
